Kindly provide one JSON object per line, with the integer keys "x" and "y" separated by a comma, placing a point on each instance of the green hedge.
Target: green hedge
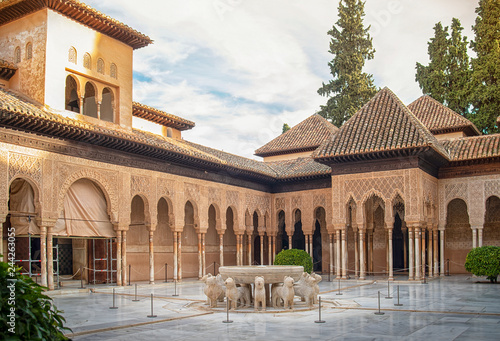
{"x": 27, "y": 314}
{"x": 484, "y": 261}
{"x": 294, "y": 257}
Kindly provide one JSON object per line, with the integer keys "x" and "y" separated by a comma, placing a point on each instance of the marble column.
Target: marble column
{"x": 50, "y": 258}
{"x": 411, "y": 255}
{"x": 430, "y": 258}
{"x": 43, "y": 255}
{"x": 418, "y": 269}
{"x": 391, "y": 255}
{"x": 474, "y": 237}
{"x": 221, "y": 249}
{"x": 480, "y": 237}
{"x": 311, "y": 246}
{"x": 151, "y": 259}
{"x": 249, "y": 249}
{"x": 179, "y": 256}
{"x": 331, "y": 255}
{"x": 269, "y": 250}
{"x": 441, "y": 247}
{"x": 307, "y": 244}
{"x": 435, "y": 243}
{"x": 118, "y": 258}
{"x": 424, "y": 231}
{"x": 274, "y": 248}
{"x": 362, "y": 272}
{"x": 261, "y": 239}
{"x": 124, "y": 258}
{"x": 370, "y": 250}
{"x": 203, "y": 258}
{"x": 290, "y": 245}
{"x": 238, "y": 261}
{"x": 176, "y": 256}
{"x": 344, "y": 254}
{"x": 337, "y": 260}
{"x": 356, "y": 254}
{"x": 200, "y": 260}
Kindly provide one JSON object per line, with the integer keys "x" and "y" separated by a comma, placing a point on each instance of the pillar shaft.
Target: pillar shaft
{"x": 50, "y": 259}
{"x": 480, "y": 237}
{"x": 221, "y": 249}
{"x": 151, "y": 259}
{"x": 176, "y": 256}
{"x": 118, "y": 258}
{"x": 430, "y": 251}
{"x": 441, "y": 247}
{"x": 274, "y": 248}
{"x": 356, "y": 254}
{"x": 124, "y": 258}
{"x": 391, "y": 255}
{"x": 418, "y": 269}
{"x": 203, "y": 259}
{"x": 411, "y": 256}
{"x": 344, "y": 254}
{"x": 435, "y": 243}
{"x": 330, "y": 270}
{"x": 474, "y": 238}
{"x": 200, "y": 261}
{"x": 179, "y": 256}
{"x": 43, "y": 255}
{"x": 238, "y": 262}
{"x": 362, "y": 272}
{"x": 337, "y": 248}
{"x": 249, "y": 249}
{"x": 261, "y": 238}
{"x": 422, "y": 250}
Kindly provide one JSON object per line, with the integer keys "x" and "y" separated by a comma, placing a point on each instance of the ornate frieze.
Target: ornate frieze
{"x": 26, "y": 165}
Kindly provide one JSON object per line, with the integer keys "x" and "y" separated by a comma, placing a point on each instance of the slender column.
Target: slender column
{"x": 423, "y": 251}
{"x": 418, "y": 269}
{"x": 238, "y": 261}
{"x": 362, "y": 273}
{"x": 118, "y": 258}
{"x": 43, "y": 255}
{"x": 436, "y": 253}
{"x": 331, "y": 255}
{"x": 124, "y": 258}
{"x": 337, "y": 246}
{"x": 480, "y": 237}
{"x": 356, "y": 254}
{"x": 221, "y": 249}
{"x": 311, "y": 246}
{"x": 249, "y": 249}
{"x": 405, "y": 257}
{"x": 200, "y": 260}
{"x": 430, "y": 258}
{"x": 179, "y": 256}
{"x": 175, "y": 255}
{"x": 344, "y": 254}
{"x": 307, "y": 244}
{"x": 269, "y": 250}
{"x": 261, "y": 238}
{"x": 203, "y": 259}
{"x": 151, "y": 259}
{"x": 441, "y": 247}
{"x": 474, "y": 237}
{"x": 370, "y": 246}
{"x": 290, "y": 246}
{"x": 50, "y": 259}
{"x": 391, "y": 255}
{"x": 274, "y": 248}
{"x": 411, "y": 256}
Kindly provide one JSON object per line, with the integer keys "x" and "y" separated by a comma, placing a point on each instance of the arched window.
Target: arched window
{"x": 87, "y": 61}
{"x": 17, "y": 55}
{"x": 72, "y": 101}
{"x": 100, "y": 66}
{"x": 107, "y": 105}
{"x": 89, "y": 101}
{"x": 169, "y": 132}
{"x": 29, "y": 51}
{"x": 113, "y": 71}
{"x": 72, "y": 55}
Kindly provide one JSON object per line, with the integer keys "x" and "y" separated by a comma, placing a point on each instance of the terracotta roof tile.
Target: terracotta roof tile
{"x": 305, "y": 136}
{"x": 438, "y": 118}
{"x": 473, "y": 148}
{"x": 384, "y": 124}
{"x": 297, "y": 168}
{"x": 160, "y": 117}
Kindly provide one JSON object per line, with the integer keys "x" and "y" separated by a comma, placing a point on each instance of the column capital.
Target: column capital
{"x": 46, "y": 222}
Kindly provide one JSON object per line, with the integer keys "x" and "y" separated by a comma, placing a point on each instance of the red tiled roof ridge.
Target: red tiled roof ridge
{"x": 474, "y": 147}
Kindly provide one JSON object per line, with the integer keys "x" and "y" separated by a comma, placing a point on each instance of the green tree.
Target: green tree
{"x": 294, "y": 257}
{"x": 351, "y": 46}
{"x": 285, "y": 128}
{"x": 486, "y": 66}
{"x": 484, "y": 261}
{"x": 27, "y": 314}
{"x": 447, "y": 77}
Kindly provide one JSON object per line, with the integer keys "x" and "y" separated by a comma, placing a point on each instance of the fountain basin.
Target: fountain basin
{"x": 245, "y": 274}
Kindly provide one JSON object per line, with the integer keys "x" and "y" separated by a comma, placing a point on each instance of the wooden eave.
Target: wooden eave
{"x": 86, "y": 15}
{"x": 288, "y": 151}
{"x": 162, "y": 118}
{"x": 6, "y": 72}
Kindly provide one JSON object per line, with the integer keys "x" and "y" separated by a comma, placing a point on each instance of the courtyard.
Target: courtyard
{"x": 457, "y": 307}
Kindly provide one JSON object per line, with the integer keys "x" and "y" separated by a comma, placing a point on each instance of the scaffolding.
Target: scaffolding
{"x": 108, "y": 259}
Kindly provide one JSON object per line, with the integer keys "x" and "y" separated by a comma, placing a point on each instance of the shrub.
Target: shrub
{"x": 27, "y": 314}
{"x": 294, "y": 257}
{"x": 484, "y": 261}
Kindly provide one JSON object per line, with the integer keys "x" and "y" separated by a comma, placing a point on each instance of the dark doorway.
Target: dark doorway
{"x": 317, "y": 248}
{"x": 398, "y": 244}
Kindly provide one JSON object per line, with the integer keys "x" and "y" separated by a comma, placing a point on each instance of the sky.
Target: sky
{"x": 241, "y": 68}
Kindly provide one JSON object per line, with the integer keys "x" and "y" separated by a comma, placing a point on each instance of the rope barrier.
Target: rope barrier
{"x": 71, "y": 277}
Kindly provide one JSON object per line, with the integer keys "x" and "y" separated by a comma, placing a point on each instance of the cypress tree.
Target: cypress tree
{"x": 351, "y": 46}
{"x": 486, "y": 66}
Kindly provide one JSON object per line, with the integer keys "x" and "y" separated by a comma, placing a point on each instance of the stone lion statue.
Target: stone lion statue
{"x": 212, "y": 289}
{"x": 305, "y": 288}
{"x": 259, "y": 293}
{"x": 317, "y": 279}
{"x": 284, "y": 293}
{"x": 236, "y": 294}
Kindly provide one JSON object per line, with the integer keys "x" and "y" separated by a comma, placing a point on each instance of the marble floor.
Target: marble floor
{"x": 447, "y": 308}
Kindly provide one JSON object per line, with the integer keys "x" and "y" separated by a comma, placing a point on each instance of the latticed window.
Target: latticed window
{"x": 87, "y": 60}
{"x": 72, "y": 55}
{"x": 100, "y": 65}
{"x": 17, "y": 55}
{"x": 113, "y": 71}
{"x": 29, "y": 51}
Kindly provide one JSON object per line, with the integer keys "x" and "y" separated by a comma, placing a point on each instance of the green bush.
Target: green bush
{"x": 27, "y": 314}
{"x": 484, "y": 261}
{"x": 294, "y": 257}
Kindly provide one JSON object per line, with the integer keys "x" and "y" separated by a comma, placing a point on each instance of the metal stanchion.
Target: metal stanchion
{"x": 339, "y": 293}
{"x": 227, "y": 312}
{"x": 398, "y": 304}
{"x": 166, "y": 272}
{"x": 152, "y": 315}
{"x": 388, "y": 290}
{"x": 81, "y": 277}
{"x": 175, "y": 288}
{"x": 329, "y": 276}
{"x": 113, "y": 307}
{"x": 129, "y": 273}
{"x": 319, "y": 312}
{"x": 379, "y": 313}
{"x": 135, "y": 300}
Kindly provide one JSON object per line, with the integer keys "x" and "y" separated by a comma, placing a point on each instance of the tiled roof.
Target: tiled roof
{"x": 473, "y": 148}
{"x": 160, "y": 117}
{"x": 438, "y": 118}
{"x": 7, "y": 70}
{"x": 11, "y": 10}
{"x": 383, "y": 127}
{"x": 18, "y": 112}
{"x": 305, "y": 136}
